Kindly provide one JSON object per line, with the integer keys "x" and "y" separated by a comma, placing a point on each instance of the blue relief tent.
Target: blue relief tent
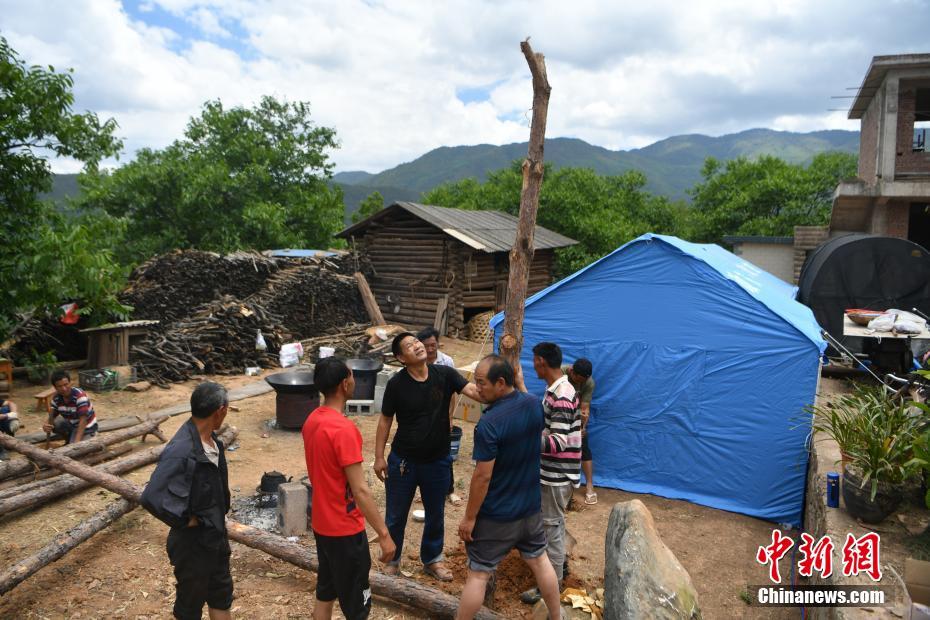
{"x": 704, "y": 365}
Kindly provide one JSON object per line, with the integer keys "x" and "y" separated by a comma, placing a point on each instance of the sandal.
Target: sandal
{"x": 437, "y": 571}
{"x": 391, "y": 569}
{"x": 590, "y": 498}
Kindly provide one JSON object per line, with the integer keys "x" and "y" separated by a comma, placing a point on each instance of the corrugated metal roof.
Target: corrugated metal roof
{"x": 488, "y": 231}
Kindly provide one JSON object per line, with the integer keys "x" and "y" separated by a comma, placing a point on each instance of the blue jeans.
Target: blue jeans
{"x": 433, "y": 479}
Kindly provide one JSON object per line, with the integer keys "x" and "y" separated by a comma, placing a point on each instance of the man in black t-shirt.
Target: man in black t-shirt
{"x": 418, "y": 396}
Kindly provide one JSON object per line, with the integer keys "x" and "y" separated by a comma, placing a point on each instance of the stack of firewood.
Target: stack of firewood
{"x": 283, "y": 299}
{"x": 218, "y": 339}
{"x": 171, "y": 286}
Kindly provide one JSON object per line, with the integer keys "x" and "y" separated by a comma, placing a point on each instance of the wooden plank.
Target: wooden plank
{"x": 368, "y": 298}
{"x": 441, "y": 320}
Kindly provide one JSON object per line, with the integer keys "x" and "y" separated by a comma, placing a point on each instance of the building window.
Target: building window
{"x": 921, "y": 121}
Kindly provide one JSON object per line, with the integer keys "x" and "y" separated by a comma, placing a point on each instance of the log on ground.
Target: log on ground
{"x": 62, "y": 544}
{"x": 103, "y": 426}
{"x": 15, "y": 486}
{"x": 19, "y": 467}
{"x": 67, "y": 484}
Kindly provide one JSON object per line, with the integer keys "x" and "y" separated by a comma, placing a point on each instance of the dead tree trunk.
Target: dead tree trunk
{"x": 15, "y": 486}
{"x": 521, "y": 256}
{"x": 407, "y": 592}
{"x": 20, "y": 467}
{"x": 66, "y": 484}
{"x": 62, "y": 544}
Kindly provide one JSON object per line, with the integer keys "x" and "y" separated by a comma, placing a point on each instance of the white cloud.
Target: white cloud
{"x": 385, "y": 75}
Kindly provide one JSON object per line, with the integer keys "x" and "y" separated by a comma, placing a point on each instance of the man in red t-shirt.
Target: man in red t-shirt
{"x": 341, "y": 499}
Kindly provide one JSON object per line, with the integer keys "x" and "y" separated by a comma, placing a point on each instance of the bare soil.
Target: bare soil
{"x": 124, "y": 571}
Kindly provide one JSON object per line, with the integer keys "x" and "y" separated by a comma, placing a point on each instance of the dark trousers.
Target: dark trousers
{"x": 67, "y": 431}
{"x": 433, "y": 480}
{"x": 202, "y": 573}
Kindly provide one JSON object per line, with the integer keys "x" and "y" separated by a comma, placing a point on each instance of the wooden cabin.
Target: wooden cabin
{"x": 441, "y": 266}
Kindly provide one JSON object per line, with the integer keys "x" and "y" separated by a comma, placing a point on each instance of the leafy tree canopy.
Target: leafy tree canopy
{"x": 601, "y": 212}
{"x": 766, "y": 196}
{"x": 373, "y": 203}
{"x": 45, "y": 260}
{"x": 239, "y": 178}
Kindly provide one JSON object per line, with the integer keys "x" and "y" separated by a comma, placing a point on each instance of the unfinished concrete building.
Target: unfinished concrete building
{"x": 891, "y": 194}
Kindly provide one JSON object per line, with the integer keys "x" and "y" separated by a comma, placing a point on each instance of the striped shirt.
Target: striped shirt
{"x": 561, "y": 449}
{"x": 75, "y": 406}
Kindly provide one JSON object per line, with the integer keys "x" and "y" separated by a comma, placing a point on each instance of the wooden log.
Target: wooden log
{"x": 521, "y": 256}
{"x": 103, "y": 426}
{"x": 18, "y": 467}
{"x": 62, "y": 544}
{"x": 14, "y": 486}
{"x": 407, "y": 592}
{"x": 66, "y": 485}
{"x": 368, "y": 298}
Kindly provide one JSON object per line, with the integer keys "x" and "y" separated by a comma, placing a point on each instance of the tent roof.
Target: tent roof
{"x": 765, "y": 288}
{"x": 488, "y": 231}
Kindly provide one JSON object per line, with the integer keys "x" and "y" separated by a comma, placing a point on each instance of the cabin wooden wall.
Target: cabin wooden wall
{"x": 415, "y": 264}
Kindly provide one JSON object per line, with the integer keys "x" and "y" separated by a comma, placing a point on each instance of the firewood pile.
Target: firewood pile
{"x": 218, "y": 339}
{"x": 212, "y": 309}
{"x": 169, "y": 287}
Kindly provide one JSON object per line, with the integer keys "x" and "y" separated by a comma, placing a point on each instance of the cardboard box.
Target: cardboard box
{"x": 917, "y": 583}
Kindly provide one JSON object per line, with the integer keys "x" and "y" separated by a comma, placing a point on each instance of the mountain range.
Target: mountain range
{"x": 672, "y": 166}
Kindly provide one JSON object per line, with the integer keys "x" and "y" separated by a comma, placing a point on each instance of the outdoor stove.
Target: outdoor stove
{"x": 296, "y": 397}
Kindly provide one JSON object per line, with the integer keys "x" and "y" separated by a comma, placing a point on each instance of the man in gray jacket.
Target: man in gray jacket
{"x": 189, "y": 491}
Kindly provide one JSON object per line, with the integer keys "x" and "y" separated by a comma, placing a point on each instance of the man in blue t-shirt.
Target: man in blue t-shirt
{"x": 504, "y": 502}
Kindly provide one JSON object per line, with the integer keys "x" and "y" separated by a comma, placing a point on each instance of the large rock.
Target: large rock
{"x": 642, "y": 577}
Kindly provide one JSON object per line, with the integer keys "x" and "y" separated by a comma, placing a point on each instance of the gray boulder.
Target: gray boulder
{"x": 642, "y": 577}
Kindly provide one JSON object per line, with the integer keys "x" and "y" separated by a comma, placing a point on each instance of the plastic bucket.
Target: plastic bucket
{"x": 455, "y": 442}
{"x": 327, "y": 352}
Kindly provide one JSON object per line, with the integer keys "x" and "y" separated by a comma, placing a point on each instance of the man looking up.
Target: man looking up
{"x": 579, "y": 374}
{"x": 561, "y": 453}
{"x": 189, "y": 491}
{"x": 418, "y": 396}
{"x": 341, "y": 499}
{"x": 429, "y": 336}
{"x": 78, "y": 420}
{"x": 503, "y": 509}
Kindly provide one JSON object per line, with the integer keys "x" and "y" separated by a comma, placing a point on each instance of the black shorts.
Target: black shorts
{"x": 585, "y": 450}
{"x": 202, "y": 573}
{"x": 493, "y": 540}
{"x": 344, "y": 565}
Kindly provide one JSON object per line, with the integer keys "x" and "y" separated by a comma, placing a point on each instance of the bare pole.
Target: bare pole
{"x": 521, "y": 255}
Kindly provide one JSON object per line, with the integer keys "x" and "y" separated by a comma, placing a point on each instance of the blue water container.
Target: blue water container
{"x": 833, "y": 490}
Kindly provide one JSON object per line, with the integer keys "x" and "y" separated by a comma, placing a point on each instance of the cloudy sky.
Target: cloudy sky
{"x": 396, "y": 79}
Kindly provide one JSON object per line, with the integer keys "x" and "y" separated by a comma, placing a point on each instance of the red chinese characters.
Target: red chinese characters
{"x": 815, "y": 556}
{"x": 771, "y": 554}
{"x": 861, "y": 555}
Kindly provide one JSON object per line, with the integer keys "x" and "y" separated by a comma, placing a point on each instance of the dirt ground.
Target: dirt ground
{"x": 123, "y": 572}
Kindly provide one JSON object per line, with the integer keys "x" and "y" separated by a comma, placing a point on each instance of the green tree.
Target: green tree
{"x": 373, "y": 203}
{"x": 600, "y": 212}
{"x": 44, "y": 259}
{"x": 766, "y": 196}
{"x": 239, "y": 178}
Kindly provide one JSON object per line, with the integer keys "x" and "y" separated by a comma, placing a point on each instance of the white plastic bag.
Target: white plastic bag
{"x": 260, "y": 344}
{"x": 903, "y": 326}
{"x": 882, "y": 323}
{"x": 290, "y": 354}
